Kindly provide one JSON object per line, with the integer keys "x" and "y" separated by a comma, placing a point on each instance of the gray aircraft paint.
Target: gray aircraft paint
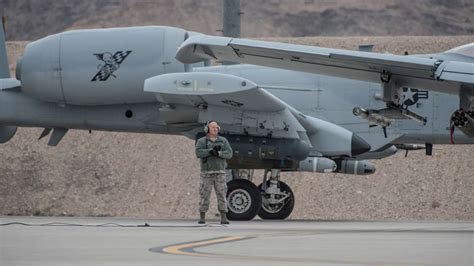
{"x": 310, "y": 94}
{"x": 333, "y": 99}
{"x": 57, "y": 69}
{"x": 396, "y": 70}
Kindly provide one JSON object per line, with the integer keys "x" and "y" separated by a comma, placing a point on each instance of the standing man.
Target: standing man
{"x": 213, "y": 150}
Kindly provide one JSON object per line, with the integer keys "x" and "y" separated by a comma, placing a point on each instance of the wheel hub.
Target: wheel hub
{"x": 273, "y": 203}
{"x": 239, "y": 201}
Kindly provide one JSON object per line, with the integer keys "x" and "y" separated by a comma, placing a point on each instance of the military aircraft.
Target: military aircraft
{"x": 159, "y": 80}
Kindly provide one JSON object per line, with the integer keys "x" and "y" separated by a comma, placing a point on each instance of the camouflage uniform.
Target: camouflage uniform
{"x": 217, "y": 180}
{"x": 213, "y": 171}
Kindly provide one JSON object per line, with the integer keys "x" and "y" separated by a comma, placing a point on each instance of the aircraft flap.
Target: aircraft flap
{"x": 458, "y": 72}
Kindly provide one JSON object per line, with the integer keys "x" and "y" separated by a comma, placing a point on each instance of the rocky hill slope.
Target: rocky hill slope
{"x": 32, "y": 19}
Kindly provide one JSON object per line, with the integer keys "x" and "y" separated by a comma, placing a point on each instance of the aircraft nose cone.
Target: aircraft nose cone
{"x": 358, "y": 145}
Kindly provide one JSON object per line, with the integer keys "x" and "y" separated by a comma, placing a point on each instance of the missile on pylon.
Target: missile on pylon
{"x": 372, "y": 116}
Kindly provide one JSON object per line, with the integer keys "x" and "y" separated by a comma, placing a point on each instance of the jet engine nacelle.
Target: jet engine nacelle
{"x": 354, "y": 167}
{"x": 99, "y": 66}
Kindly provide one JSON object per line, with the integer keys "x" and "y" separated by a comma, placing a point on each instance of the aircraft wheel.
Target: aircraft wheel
{"x": 243, "y": 200}
{"x": 280, "y": 206}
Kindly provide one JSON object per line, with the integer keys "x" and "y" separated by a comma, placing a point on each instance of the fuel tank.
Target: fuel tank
{"x": 354, "y": 167}
{"x": 317, "y": 164}
{"x": 99, "y": 66}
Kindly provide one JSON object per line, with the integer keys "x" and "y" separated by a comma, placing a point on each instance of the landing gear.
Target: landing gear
{"x": 243, "y": 200}
{"x": 278, "y": 199}
{"x": 273, "y": 199}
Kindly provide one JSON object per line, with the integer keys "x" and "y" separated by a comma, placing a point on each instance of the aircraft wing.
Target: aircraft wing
{"x": 230, "y": 100}
{"x": 406, "y": 71}
{"x": 243, "y": 108}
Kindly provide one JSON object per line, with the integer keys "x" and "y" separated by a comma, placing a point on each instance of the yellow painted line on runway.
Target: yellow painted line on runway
{"x": 187, "y": 249}
{"x": 180, "y": 249}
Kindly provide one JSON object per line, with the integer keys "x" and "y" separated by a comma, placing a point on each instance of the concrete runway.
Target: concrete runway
{"x": 110, "y": 241}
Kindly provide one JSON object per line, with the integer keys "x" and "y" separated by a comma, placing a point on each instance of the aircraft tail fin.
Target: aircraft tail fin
{"x": 4, "y": 67}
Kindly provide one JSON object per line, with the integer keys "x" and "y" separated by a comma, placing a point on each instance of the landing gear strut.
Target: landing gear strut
{"x": 277, "y": 198}
{"x": 272, "y": 199}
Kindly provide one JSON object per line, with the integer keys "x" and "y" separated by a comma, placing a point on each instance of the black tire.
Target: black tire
{"x": 243, "y": 200}
{"x": 280, "y": 213}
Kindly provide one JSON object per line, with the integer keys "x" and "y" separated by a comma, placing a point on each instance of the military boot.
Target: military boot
{"x": 224, "y": 218}
{"x": 202, "y": 218}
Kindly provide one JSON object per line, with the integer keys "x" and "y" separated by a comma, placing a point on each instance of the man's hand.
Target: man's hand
{"x": 213, "y": 152}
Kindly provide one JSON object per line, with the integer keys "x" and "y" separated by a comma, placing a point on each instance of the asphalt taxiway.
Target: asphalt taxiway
{"x": 111, "y": 241}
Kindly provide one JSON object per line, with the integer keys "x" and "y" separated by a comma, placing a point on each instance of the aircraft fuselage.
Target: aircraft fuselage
{"x": 328, "y": 98}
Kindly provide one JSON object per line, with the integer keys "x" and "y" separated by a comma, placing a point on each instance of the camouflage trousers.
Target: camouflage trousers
{"x": 217, "y": 180}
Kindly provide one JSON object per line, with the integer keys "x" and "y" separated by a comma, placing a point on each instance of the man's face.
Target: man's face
{"x": 213, "y": 129}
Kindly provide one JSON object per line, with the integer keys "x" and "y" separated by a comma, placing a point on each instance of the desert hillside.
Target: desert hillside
{"x": 33, "y": 19}
{"x": 156, "y": 176}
